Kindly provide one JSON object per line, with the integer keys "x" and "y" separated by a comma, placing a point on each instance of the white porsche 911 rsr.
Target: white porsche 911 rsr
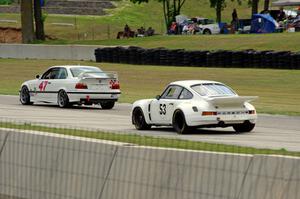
{"x": 194, "y": 104}
{"x": 68, "y": 85}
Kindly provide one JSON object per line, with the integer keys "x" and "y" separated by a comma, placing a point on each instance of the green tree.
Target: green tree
{"x": 171, "y": 9}
{"x": 39, "y": 21}
{"x": 219, "y": 6}
{"x": 27, "y": 21}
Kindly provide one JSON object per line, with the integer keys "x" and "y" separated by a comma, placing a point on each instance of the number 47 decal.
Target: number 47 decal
{"x": 43, "y": 85}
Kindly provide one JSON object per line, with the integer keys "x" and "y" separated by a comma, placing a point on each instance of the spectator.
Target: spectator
{"x": 126, "y": 29}
{"x": 149, "y": 32}
{"x": 281, "y": 15}
{"x": 141, "y": 32}
{"x": 234, "y": 21}
{"x": 173, "y": 29}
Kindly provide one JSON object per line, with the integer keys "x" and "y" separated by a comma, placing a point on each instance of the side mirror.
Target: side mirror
{"x": 37, "y": 76}
{"x": 158, "y": 97}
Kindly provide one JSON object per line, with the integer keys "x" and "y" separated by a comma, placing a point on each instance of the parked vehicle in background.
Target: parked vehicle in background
{"x": 68, "y": 85}
{"x": 207, "y": 26}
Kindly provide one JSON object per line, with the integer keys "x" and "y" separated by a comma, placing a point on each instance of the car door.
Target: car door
{"x": 162, "y": 109}
{"x": 41, "y": 85}
{"x": 56, "y": 81}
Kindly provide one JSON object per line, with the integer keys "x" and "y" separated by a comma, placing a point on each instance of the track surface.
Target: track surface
{"x": 274, "y": 132}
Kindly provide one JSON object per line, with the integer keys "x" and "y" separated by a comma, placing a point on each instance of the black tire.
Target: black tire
{"x": 207, "y": 32}
{"x": 107, "y": 104}
{"x": 63, "y": 99}
{"x": 245, "y": 127}
{"x": 25, "y": 96}
{"x": 138, "y": 119}
{"x": 179, "y": 123}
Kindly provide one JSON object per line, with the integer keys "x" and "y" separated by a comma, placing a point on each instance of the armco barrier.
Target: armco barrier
{"x": 41, "y": 165}
{"x": 37, "y": 51}
{"x": 179, "y": 57}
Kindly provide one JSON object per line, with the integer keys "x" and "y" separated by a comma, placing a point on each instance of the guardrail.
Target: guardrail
{"x": 179, "y": 57}
{"x": 39, "y": 165}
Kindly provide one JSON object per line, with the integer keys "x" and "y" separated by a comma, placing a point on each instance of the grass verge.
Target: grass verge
{"x": 151, "y": 141}
{"x": 276, "y": 42}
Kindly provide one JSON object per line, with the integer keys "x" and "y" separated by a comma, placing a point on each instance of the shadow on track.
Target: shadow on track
{"x": 199, "y": 131}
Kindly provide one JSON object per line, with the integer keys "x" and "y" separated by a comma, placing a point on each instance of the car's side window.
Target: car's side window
{"x": 185, "y": 94}
{"x": 47, "y": 74}
{"x": 172, "y": 92}
{"x": 62, "y": 74}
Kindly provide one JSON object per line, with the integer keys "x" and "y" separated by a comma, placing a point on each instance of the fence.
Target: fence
{"x": 181, "y": 57}
{"x": 89, "y": 164}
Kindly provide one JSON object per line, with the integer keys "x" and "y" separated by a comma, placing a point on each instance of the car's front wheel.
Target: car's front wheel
{"x": 62, "y": 99}
{"x": 179, "y": 123}
{"x": 138, "y": 120}
{"x": 107, "y": 104}
{"x": 207, "y": 32}
{"x": 25, "y": 96}
{"x": 244, "y": 127}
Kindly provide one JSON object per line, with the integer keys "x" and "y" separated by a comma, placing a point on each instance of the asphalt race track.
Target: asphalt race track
{"x": 275, "y": 132}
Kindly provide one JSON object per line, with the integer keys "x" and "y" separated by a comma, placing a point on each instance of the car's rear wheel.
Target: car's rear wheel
{"x": 244, "y": 127}
{"x": 179, "y": 123}
{"x": 107, "y": 104}
{"x": 138, "y": 120}
{"x": 63, "y": 99}
{"x": 25, "y": 96}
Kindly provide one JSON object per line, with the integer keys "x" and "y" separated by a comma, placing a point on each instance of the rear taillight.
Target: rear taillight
{"x": 81, "y": 86}
{"x": 208, "y": 113}
{"x": 252, "y": 112}
{"x": 114, "y": 84}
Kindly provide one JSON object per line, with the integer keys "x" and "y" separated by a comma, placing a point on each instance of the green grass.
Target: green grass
{"x": 136, "y": 15}
{"x": 277, "y": 42}
{"x": 278, "y": 90}
{"x": 151, "y": 141}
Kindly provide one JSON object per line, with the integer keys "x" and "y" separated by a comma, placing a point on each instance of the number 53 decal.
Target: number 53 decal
{"x": 43, "y": 85}
{"x": 162, "y": 109}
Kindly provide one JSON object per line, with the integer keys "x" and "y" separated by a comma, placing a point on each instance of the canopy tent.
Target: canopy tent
{"x": 263, "y": 23}
{"x": 286, "y": 3}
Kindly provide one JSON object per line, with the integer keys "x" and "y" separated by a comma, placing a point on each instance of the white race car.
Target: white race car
{"x": 193, "y": 104}
{"x": 68, "y": 85}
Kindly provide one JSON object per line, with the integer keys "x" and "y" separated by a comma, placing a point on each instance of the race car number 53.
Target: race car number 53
{"x": 162, "y": 109}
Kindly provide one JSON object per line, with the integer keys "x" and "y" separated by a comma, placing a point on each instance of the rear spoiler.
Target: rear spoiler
{"x": 231, "y": 100}
{"x": 98, "y": 75}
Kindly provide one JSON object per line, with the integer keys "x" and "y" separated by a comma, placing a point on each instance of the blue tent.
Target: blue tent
{"x": 263, "y": 23}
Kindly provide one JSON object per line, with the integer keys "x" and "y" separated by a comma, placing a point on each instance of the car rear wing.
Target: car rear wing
{"x": 227, "y": 101}
{"x": 99, "y": 75}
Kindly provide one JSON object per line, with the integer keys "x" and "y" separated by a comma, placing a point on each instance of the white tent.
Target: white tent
{"x": 286, "y": 3}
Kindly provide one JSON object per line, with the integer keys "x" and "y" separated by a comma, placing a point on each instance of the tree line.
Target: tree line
{"x": 31, "y": 12}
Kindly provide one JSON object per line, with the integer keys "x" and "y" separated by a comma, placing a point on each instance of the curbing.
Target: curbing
{"x": 43, "y": 165}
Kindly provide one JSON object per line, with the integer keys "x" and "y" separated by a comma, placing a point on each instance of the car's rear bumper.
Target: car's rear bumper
{"x": 92, "y": 97}
{"x": 221, "y": 121}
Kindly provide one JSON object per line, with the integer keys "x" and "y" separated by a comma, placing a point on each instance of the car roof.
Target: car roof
{"x": 73, "y": 66}
{"x": 188, "y": 83}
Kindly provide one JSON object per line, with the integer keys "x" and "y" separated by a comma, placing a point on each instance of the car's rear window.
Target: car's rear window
{"x": 76, "y": 71}
{"x": 213, "y": 89}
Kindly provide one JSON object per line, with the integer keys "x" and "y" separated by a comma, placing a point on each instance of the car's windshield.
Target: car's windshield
{"x": 213, "y": 89}
{"x": 76, "y": 71}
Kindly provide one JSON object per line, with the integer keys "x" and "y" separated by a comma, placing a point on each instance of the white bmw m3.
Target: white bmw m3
{"x": 193, "y": 104}
{"x": 68, "y": 85}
